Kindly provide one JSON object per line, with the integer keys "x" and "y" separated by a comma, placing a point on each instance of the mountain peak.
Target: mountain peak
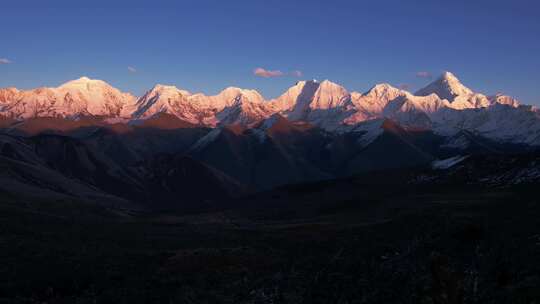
{"x": 83, "y": 83}
{"x": 302, "y": 83}
{"x": 449, "y": 76}
{"x": 447, "y": 86}
{"x": 382, "y": 87}
{"x": 160, "y": 87}
{"x": 84, "y": 79}
{"x": 383, "y": 90}
{"x": 329, "y": 85}
{"x": 328, "y": 90}
{"x": 237, "y": 91}
{"x": 327, "y": 82}
{"x": 232, "y": 90}
{"x": 234, "y": 93}
{"x": 500, "y": 98}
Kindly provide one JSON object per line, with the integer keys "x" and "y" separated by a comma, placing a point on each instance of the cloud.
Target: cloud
{"x": 261, "y": 72}
{"x": 4, "y": 61}
{"x": 297, "y": 73}
{"x": 132, "y": 69}
{"x": 424, "y": 74}
{"x": 267, "y": 73}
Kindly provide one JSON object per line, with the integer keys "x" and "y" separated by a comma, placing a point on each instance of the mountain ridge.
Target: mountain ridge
{"x": 445, "y": 106}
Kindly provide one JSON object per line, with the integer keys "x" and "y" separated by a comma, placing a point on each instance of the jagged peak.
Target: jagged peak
{"x": 500, "y": 98}
{"x": 330, "y": 85}
{"x": 302, "y": 83}
{"x": 452, "y": 81}
{"x": 501, "y": 95}
{"x": 384, "y": 89}
{"x": 162, "y": 89}
{"x": 296, "y": 90}
{"x": 328, "y": 82}
{"x": 447, "y": 86}
{"x": 449, "y": 76}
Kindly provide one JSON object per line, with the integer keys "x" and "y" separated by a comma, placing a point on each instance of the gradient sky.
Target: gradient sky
{"x": 205, "y": 46}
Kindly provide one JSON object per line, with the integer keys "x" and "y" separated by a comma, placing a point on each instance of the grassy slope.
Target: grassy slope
{"x": 443, "y": 246}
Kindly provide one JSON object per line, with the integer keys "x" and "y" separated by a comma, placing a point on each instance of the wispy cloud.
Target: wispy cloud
{"x": 132, "y": 69}
{"x": 5, "y": 61}
{"x": 262, "y": 72}
{"x": 267, "y": 73}
{"x": 424, "y": 74}
{"x": 297, "y": 73}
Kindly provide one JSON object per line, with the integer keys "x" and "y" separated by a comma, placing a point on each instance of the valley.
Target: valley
{"x": 308, "y": 243}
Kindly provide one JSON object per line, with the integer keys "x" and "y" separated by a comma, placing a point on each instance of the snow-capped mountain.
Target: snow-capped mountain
{"x": 445, "y": 106}
{"x": 372, "y": 104}
{"x": 450, "y": 88}
{"x": 499, "y": 122}
{"x": 446, "y": 87}
{"x": 83, "y": 96}
{"x": 306, "y": 97}
{"x": 323, "y": 104}
{"x": 232, "y": 105}
{"x": 164, "y": 99}
{"x": 503, "y": 99}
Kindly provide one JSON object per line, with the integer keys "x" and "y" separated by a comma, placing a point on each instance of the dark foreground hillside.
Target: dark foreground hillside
{"x": 297, "y": 244}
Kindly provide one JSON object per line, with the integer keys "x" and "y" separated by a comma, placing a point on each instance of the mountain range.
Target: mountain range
{"x": 170, "y": 147}
{"x": 445, "y": 106}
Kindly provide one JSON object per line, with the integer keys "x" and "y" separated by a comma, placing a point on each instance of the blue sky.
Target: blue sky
{"x": 208, "y": 45}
